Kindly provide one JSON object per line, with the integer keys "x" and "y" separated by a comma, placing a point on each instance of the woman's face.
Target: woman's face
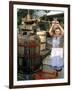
{"x": 57, "y": 32}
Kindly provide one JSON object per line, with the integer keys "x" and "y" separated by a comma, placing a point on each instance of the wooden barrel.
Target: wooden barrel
{"x": 20, "y": 43}
{"x": 21, "y": 39}
{"x": 42, "y": 35}
{"x": 29, "y": 51}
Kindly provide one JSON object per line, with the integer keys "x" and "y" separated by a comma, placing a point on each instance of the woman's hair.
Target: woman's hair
{"x": 56, "y": 29}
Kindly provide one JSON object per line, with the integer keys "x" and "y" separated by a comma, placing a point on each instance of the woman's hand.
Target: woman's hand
{"x": 56, "y": 22}
{"x": 56, "y": 25}
{"x": 53, "y": 23}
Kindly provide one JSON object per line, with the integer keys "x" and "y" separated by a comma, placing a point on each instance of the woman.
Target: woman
{"x": 57, "y": 32}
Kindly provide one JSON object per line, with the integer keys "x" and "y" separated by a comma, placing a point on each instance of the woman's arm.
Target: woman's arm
{"x": 62, "y": 30}
{"x": 50, "y": 30}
